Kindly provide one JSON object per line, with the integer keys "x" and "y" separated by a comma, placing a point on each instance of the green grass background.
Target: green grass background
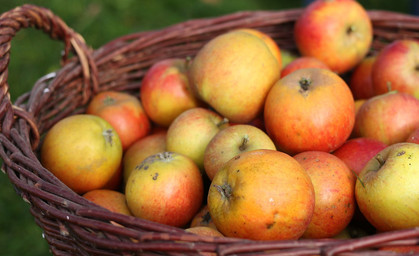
{"x": 34, "y": 54}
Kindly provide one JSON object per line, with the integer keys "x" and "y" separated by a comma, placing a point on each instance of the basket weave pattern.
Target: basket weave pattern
{"x": 75, "y": 226}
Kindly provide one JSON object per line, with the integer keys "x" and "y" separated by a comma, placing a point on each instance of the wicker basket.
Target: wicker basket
{"x": 73, "y": 225}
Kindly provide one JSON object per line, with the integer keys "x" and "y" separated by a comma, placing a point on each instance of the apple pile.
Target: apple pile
{"x": 239, "y": 141}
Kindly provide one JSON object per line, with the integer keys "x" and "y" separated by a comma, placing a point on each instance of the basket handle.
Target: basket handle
{"x": 43, "y": 19}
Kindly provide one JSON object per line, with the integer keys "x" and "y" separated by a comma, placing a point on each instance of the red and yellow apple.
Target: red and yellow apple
{"x": 190, "y": 133}
{"x": 397, "y": 68}
{"x": 166, "y": 188}
{"x": 124, "y": 112}
{"x": 389, "y": 117}
{"x": 361, "y": 79}
{"x": 334, "y": 186}
{"x": 338, "y": 33}
{"x": 165, "y": 91}
{"x": 309, "y": 109}
{"x": 232, "y": 141}
{"x": 302, "y": 62}
{"x": 233, "y": 73}
{"x": 83, "y": 151}
{"x": 262, "y": 195}
{"x": 356, "y": 152}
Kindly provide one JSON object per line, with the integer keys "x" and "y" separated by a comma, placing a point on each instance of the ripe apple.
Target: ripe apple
{"x": 309, "y": 109}
{"x": 356, "y": 152}
{"x": 166, "y": 188}
{"x": 302, "y": 62}
{"x": 339, "y": 33}
{"x": 262, "y": 195}
{"x": 83, "y": 151}
{"x": 203, "y": 218}
{"x": 141, "y": 149}
{"x": 413, "y": 136}
{"x": 165, "y": 91}
{"x": 389, "y": 117}
{"x": 361, "y": 79}
{"x": 397, "y": 67}
{"x": 387, "y": 190}
{"x": 232, "y": 141}
{"x": 124, "y": 112}
{"x": 334, "y": 186}
{"x": 233, "y": 73}
{"x": 190, "y": 133}
{"x": 109, "y": 199}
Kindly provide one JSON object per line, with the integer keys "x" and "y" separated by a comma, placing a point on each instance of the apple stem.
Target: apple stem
{"x": 380, "y": 160}
{"x": 350, "y": 29}
{"x": 305, "y": 83}
{"x": 108, "y": 135}
{"x": 244, "y": 142}
{"x": 164, "y": 155}
{"x": 225, "y": 190}
{"x": 223, "y": 122}
{"x": 108, "y": 100}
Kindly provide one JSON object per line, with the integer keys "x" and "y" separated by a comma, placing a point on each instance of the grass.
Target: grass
{"x": 34, "y": 54}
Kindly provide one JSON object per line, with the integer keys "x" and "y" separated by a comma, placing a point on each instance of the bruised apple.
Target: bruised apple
{"x": 233, "y": 73}
{"x": 124, "y": 112}
{"x": 166, "y": 188}
{"x": 83, "y": 151}
{"x": 309, "y": 109}
{"x": 334, "y": 186}
{"x": 262, "y": 195}
{"x": 141, "y": 149}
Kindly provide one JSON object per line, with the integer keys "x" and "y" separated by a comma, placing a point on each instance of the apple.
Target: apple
{"x": 334, "y": 186}
{"x": 141, "y": 149}
{"x": 413, "y": 136}
{"x": 165, "y": 91}
{"x": 232, "y": 141}
{"x": 202, "y": 218}
{"x": 190, "y": 133}
{"x": 109, "y": 199}
{"x": 302, "y": 62}
{"x": 233, "y": 73}
{"x": 309, "y": 109}
{"x": 83, "y": 151}
{"x": 361, "y": 79}
{"x": 204, "y": 231}
{"x": 261, "y": 195}
{"x": 124, "y": 112}
{"x": 387, "y": 190}
{"x": 166, "y": 188}
{"x": 356, "y": 152}
{"x": 397, "y": 68}
{"x": 389, "y": 117}
{"x": 338, "y": 33}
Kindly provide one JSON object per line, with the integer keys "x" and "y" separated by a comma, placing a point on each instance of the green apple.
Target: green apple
{"x": 387, "y": 190}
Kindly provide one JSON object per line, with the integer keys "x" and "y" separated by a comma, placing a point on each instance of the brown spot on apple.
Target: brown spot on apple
{"x": 401, "y": 153}
{"x": 155, "y": 176}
